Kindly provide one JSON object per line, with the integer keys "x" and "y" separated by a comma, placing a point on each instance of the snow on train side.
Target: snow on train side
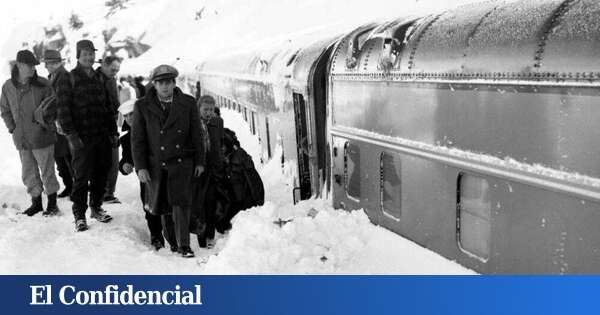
{"x": 470, "y": 132}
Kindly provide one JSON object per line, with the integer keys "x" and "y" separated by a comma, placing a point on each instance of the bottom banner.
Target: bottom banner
{"x": 298, "y": 295}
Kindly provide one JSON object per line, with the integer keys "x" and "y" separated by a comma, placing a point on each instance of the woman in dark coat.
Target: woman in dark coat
{"x": 210, "y": 200}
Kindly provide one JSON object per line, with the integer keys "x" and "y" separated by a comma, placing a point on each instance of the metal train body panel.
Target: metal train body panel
{"x": 286, "y": 88}
{"x": 470, "y": 132}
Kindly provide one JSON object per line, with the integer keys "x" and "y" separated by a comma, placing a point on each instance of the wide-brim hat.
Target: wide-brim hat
{"x": 27, "y": 57}
{"x": 52, "y": 55}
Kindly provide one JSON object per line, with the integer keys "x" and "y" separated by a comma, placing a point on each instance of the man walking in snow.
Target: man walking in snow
{"x": 56, "y": 68}
{"x": 21, "y": 96}
{"x": 87, "y": 117}
{"x": 107, "y": 73}
{"x": 167, "y": 146}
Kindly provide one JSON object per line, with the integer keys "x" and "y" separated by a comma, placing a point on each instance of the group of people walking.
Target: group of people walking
{"x": 171, "y": 140}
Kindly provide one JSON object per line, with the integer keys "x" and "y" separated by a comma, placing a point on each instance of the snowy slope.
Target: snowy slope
{"x": 326, "y": 242}
{"x": 184, "y": 32}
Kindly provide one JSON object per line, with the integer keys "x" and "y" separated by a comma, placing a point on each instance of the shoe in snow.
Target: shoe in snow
{"x": 100, "y": 215}
{"x": 174, "y": 248}
{"x": 52, "y": 208}
{"x": 202, "y": 241}
{"x": 36, "y": 206}
{"x": 65, "y": 193}
{"x": 80, "y": 225}
{"x": 157, "y": 244}
{"x": 186, "y": 252}
{"x": 111, "y": 199}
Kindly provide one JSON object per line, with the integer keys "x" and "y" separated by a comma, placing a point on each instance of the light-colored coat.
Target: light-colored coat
{"x": 17, "y": 106}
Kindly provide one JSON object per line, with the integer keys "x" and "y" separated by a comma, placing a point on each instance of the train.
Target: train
{"x": 471, "y": 132}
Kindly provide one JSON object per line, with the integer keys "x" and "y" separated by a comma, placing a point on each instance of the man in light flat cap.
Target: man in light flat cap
{"x": 86, "y": 116}
{"x": 22, "y": 94}
{"x": 168, "y": 150}
{"x": 55, "y": 65}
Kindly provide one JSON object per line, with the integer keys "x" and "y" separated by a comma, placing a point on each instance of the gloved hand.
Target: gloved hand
{"x": 114, "y": 141}
{"x": 74, "y": 142}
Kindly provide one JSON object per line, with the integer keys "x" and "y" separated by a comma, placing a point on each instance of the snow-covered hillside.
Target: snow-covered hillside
{"x": 308, "y": 238}
{"x": 182, "y": 32}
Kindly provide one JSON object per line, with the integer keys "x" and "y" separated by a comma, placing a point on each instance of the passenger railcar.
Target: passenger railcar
{"x": 471, "y": 132}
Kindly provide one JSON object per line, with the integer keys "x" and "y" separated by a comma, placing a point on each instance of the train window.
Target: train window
{"x": 474, "y": 211}
{"x": 352, "y": 170}
{"x": 268, "y": 137}
{"x": 253, "y": 122}
{"x": 245, "y": 114}
{"x": 390, "y": 185}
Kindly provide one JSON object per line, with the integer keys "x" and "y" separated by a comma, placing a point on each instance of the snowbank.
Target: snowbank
{"x": 277, "y": 238}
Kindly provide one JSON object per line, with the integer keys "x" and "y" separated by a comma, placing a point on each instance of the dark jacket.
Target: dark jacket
{"x": 214, "y": 156}
{"x": 18, "y": 103}
{"x": 126, "y": 155}
{"x": 110, "y": 84}
{"x": 60, "y": 72}
{"x": 61, "y": 148}
{"x": 84, "y": 107}
{"x": 172, "y": 142}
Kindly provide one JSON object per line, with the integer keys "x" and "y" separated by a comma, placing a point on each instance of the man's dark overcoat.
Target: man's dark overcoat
{"x": 167, "y": 140}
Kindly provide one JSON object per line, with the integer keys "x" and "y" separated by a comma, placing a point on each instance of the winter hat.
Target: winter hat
{"x": 85, "y": 44}
{"x": 27, "y": 57}
{"x": 127, "y": 107}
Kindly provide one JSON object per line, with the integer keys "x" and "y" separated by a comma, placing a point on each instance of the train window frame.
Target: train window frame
{"x": 397, "y": 163}
{"x": 461, "y": 226}
{"x": 346, "y": 177}
{"x": 253, "y": 122}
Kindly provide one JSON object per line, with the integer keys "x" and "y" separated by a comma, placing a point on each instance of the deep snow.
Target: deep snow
{"x": 326, "y": 242}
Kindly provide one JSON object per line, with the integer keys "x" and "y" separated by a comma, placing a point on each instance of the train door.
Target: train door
{"x": 319, "y": 93}
{"x": 303, "y": 149}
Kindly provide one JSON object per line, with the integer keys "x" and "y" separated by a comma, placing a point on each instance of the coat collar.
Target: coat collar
{"x": 175, "y": 111}
{"x": 82, "y": 73}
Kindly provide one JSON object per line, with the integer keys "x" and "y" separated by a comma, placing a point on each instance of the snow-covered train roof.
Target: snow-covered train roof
{"x": 528, "y": 39}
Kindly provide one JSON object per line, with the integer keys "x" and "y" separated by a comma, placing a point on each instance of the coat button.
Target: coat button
{"x": 178, "y": 130}
{"x": 162, "y": 148}
{"x": 163, "y": 164}
{"x": 161, "y": 132}
{"x": 177, "y": 146}
{"x": 179, "y": 160}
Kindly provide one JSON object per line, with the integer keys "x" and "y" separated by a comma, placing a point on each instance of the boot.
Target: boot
{"x": 157, "y": 243}
{"x": 52, "y": 208}
{"x": 36, "y": 206}
{"x": 100, "y": 214}
{"x": 66, "y": 192}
